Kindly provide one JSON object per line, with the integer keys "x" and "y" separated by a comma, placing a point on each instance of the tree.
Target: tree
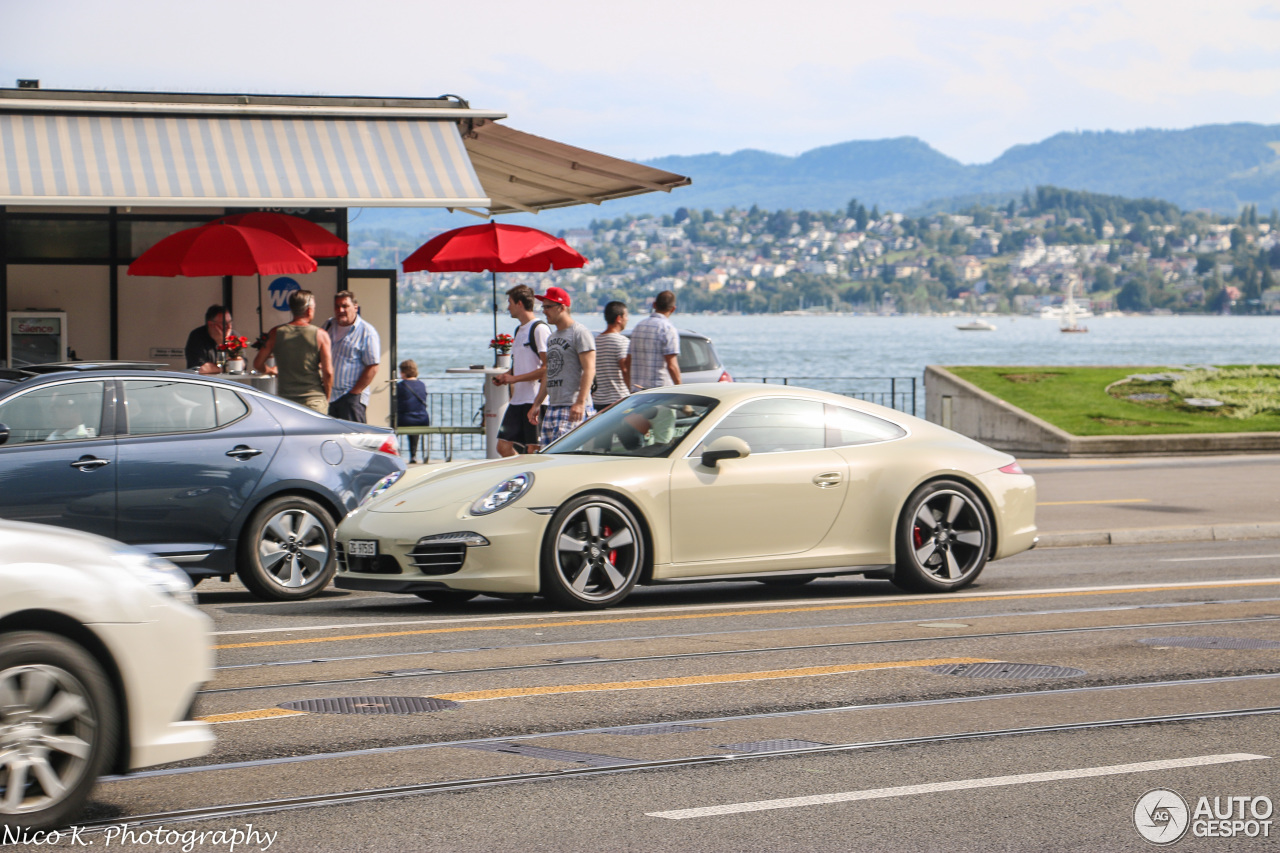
{"x": 682, "y": 213}
{"x": 1134, "y": 296}
{"x": 1103, "y": 279}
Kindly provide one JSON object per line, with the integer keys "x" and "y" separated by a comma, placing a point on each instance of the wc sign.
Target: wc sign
{"x": 280, "y": 291}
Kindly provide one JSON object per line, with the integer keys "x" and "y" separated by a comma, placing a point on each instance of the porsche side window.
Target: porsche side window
{"x": 846, "y": 427}
{"x": 64, "y": 412}
{"x": 774, "y": 425}
{"x": 643, "y": 425}
{"x": 158, "y": 406}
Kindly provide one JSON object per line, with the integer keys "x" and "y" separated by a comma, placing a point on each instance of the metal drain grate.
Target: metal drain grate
{"x": 590, "y": 759}
{"x": 772, "y": 745}
{"x": 371, "y": 705}
{"x": 1213, "y": 643}
{"x": 661, "y": 729}
{"x": 1005, "y": 670}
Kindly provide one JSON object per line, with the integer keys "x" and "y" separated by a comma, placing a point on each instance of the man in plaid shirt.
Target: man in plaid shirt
{"x": 655, "y": 346}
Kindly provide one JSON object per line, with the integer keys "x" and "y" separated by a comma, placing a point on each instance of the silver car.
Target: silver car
{"x": 698, "y": 359}
{"x": 101, "y": 655}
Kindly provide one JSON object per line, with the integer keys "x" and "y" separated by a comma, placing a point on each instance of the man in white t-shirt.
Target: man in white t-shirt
{"x": 528, "y": 366}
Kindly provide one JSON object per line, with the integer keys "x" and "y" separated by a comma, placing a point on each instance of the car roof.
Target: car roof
{"x": 684, "y": 333}
{"x": 736, "y": 392}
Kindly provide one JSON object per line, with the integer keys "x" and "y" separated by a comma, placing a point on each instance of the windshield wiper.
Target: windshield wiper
{"x": 582, "y": 453}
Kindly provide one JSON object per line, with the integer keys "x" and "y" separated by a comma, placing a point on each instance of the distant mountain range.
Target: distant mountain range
{"x": 1215, "y": 167}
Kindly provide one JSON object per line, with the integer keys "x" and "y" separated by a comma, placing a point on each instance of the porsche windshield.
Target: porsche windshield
{"x": 643, "y": 425}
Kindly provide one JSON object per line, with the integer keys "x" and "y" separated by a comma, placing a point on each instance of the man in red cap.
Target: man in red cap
{"x": 571, "y": 370}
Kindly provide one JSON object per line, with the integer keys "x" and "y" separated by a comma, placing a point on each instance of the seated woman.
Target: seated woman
{"x": 411, "y": 403}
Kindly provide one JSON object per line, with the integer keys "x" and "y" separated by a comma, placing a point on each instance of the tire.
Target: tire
{"x": 58, "y": 728}
{"x": 785, "y": 581}
{"x": 286, "y": 550}
{"x": 447, "y": 596}
{"x": 943, "y": 538}
{"x": 593, "y": 553}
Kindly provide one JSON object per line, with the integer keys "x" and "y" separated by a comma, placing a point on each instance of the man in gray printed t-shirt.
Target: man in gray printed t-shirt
{"x": 571, "y": 369}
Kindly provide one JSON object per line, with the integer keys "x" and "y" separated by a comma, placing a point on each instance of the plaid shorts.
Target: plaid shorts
{"x": 555, "y": 422}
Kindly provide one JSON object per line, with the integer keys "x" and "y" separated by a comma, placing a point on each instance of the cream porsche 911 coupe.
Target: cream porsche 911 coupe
{"x": 696, "y": 483}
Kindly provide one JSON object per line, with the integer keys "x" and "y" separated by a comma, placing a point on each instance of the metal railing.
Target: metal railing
{"x": 457, "y": 417}
{"x": 457, "y": 421}
{"x": 896, "y": 392}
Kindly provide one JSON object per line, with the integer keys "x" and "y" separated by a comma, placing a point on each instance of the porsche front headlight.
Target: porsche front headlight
{"x": 502, "y": 494}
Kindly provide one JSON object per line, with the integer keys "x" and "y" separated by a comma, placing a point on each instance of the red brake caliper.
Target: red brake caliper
{"x": 917, "y": 536}
{"x": 613, "y": 553}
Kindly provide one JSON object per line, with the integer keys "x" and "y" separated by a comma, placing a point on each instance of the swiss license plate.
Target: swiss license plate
{"x": 363, "y": 547}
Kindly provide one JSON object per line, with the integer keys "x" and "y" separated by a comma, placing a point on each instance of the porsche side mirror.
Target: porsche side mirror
{"x": 4, "y": 433}
{"x": 725, "y": 447}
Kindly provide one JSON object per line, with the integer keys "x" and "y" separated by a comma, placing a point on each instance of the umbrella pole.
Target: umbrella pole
{"x": 494, "y": 275}
{"x": 260, "y": 306}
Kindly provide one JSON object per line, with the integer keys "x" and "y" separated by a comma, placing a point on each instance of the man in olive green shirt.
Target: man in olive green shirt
{"x": 304, "y": 356}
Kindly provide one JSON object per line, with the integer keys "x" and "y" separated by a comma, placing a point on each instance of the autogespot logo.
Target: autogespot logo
{"x": 1161, "y": 816}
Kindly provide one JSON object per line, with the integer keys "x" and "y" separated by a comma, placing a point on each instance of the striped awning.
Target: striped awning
{"x": 234, "y": 161}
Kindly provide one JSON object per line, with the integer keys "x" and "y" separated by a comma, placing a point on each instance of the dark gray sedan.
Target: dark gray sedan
{"x": 218, "y": 477}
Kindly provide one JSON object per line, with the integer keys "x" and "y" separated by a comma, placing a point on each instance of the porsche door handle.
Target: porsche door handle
{"x": 90, "y": 463}
{"x": 826, "y": 481}
{"x": 242, "y": 453}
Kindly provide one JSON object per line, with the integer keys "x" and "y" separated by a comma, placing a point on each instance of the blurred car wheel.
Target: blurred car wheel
{"x": 944, "y": 538}
{"x": 286, "y": 552}
{"x": 593, "y": 553}
{"x": 58, "y": 728}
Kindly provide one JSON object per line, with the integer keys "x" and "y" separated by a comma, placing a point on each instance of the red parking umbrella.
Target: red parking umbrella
{"x": 224, "y": 250}
{"x": 316, "y": 240}
{"x": 494, "y": 247}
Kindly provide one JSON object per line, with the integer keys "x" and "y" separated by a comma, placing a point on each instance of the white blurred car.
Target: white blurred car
{"x": 101, "y": 655}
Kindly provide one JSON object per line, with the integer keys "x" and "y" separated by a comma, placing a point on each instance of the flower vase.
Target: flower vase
{"x": 233, "y": 365}
{"x": 503, "y": 360}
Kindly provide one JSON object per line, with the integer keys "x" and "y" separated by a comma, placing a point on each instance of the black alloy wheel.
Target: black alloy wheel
{"x": 286, "y": 549}
{"x": 58, "y": 728}
{"x": 593, "y": 553}
{"x": 944, "y": 538}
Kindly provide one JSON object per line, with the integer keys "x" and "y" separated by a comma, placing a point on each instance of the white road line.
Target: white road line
{"x": 651, "y": 611}
{"x": 958, "y": 785}
{"x": 1207, "y": 559}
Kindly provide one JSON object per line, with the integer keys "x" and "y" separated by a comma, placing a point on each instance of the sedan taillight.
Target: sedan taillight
{"x": 373, "y": 442}
{"x": 725, "y": 377}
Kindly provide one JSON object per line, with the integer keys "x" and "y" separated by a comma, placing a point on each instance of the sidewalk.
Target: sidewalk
{"x": 1123, "y": 501}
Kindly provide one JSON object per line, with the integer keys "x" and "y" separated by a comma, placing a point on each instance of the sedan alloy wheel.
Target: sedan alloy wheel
{"x": 288, "y": 549}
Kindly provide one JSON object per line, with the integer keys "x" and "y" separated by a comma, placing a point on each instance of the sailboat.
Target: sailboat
{"x": 1069, "y": 323}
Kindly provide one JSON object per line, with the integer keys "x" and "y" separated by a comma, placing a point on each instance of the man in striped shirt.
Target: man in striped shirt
{"x": 613, "y": 365}
{"x": 356, "y": 351}
{"x": 655, "y": 346}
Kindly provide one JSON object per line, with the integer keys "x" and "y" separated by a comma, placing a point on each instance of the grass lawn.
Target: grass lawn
{"x": 1087, "y": 400}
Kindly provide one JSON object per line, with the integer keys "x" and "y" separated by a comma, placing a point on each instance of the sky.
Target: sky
{"x": 644, "y": 80}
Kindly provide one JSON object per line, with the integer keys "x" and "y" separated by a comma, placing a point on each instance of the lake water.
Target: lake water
{"x": 811, "y": 346}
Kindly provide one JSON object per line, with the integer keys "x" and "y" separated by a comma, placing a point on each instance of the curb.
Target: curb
{"x": 1152, "y": 535}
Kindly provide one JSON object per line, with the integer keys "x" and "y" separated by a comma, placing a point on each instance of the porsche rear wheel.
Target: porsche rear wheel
{"x": 944, "y": 538}
{"x": 593, "y": 553}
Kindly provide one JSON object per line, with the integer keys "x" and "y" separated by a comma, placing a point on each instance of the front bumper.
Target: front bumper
{"x": 508, "y": 564}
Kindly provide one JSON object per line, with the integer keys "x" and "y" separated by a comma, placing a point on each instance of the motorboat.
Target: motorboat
{"x": 976, "y": 326}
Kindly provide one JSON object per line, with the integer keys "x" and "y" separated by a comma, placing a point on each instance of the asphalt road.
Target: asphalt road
{"x": 1031, "y": 711}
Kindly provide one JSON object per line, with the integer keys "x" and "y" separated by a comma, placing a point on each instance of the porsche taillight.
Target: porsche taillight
{"x": 1013, "y": 468}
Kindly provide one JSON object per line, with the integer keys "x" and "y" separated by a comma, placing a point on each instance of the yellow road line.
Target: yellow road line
{"x": 1107, "y": 501}
{"x": 721, "y": 615}
{"x": 243, "y": 716}
{"x": 696, "y": 680}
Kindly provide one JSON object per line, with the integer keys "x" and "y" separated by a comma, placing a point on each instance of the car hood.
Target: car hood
{"x": 462, "y": 482}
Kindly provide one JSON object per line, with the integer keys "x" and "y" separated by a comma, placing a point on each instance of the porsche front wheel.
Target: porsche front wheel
{"x": 593, "y": 553}
{"x": 944, "y": 538}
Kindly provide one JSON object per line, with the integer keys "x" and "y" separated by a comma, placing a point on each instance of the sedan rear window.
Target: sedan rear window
{"x": 157, "y": 406}
{"x": 696, "y": 354}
